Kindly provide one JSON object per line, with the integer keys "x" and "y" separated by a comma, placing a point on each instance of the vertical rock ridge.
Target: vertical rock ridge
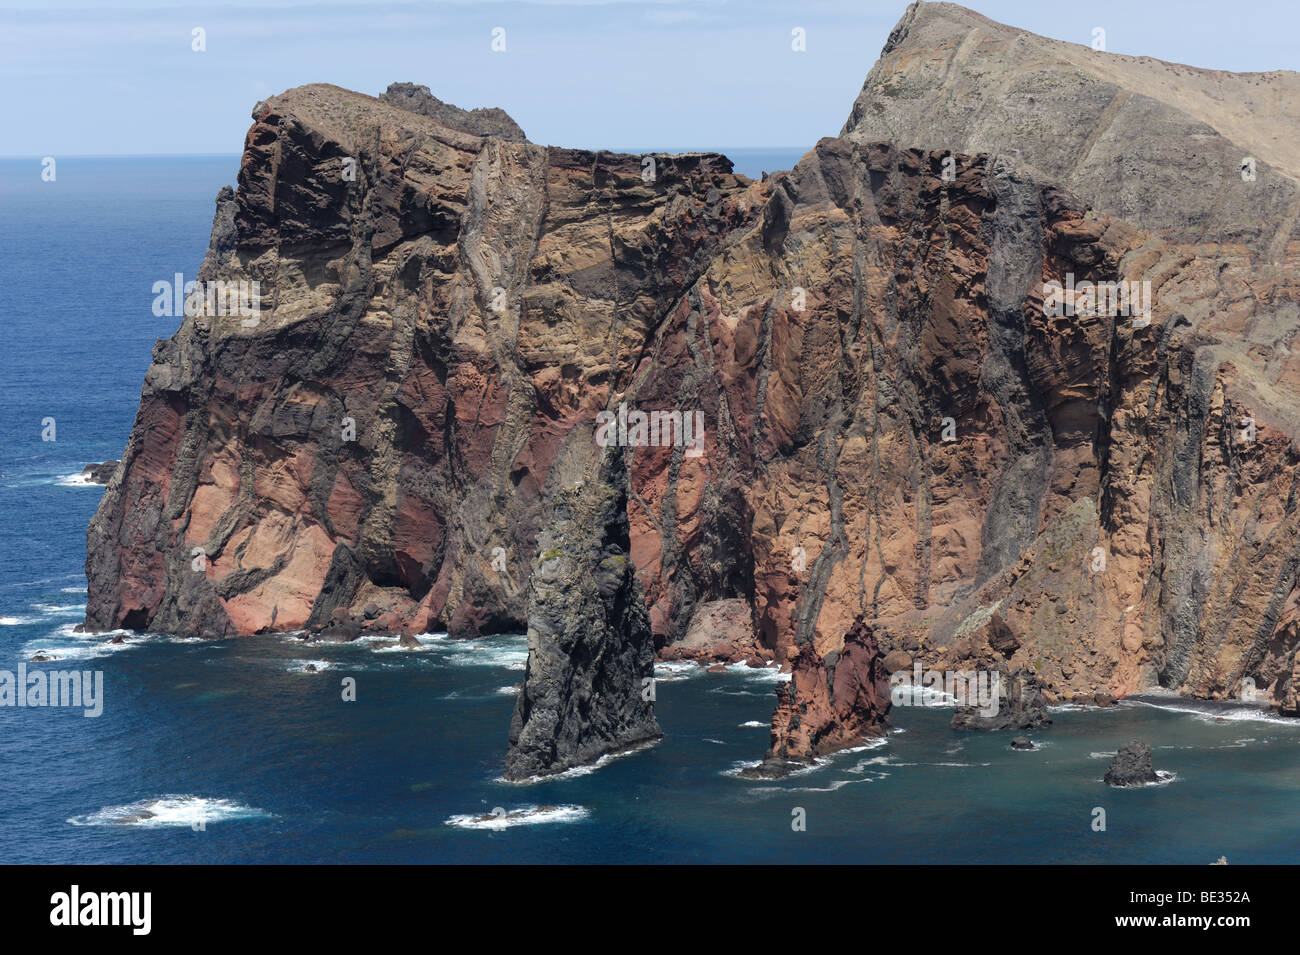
{"x": 588, "y": 689}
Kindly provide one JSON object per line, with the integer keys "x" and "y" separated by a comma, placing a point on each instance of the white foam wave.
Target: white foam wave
{"x": 835, "y": 784}
{"x": 54, "y": 610}
{"x": 923, "y": 696}
{"x": 677, "y": 669}
{"x": 1165, "y": 778}
{"x": 813, "y": 766}
{"x": 864, "y": 746}
{"x": 398, "y": 648}
{"x": 65, "y": 643}
{"x": 301, "y": 666}
{"x": 577, "y": 771}
{"x": 768, "y": 674}
{"x": 1222, "y": 713}
{"x": 170, "y": 810}
{"x": 499, "y": 818}
{"x": 864, "y": 765}
{"x": 481, "y": 656}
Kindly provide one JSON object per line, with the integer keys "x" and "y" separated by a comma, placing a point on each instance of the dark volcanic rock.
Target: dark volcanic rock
{"x": 892, "y": 419}
{"x": 100, "y": 473}
{"x": 588, "y": 689}
{"x": 1132, "y": 766}
{"x": 344, "y": 629}
{"x": 1021, "y": 706}
{"x": 1021, "y": 742}
{"x": 775, "y": 768}
{"x": 395, "y": 428}
{"x": 484, "y": 121}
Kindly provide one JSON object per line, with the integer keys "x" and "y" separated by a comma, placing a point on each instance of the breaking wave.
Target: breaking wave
{"x": 170, "y": 810}
{"x": 499, "y": 818}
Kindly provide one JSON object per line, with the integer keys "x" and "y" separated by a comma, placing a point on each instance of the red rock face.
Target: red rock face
{"x": 895, "y": 430}
{"x": 832, "y": 701}
{"x": 442, "y": 318}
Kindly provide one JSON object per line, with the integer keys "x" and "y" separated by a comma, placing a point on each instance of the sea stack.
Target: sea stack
{"x": 832, "y": 702}
{"x": 1021, "y": 706}
{"x": 1132, "y": 766}
{"x": 589, "y": 688}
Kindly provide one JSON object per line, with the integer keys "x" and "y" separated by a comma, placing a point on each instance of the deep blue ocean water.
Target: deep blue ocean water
{"x": 244, "y": 738}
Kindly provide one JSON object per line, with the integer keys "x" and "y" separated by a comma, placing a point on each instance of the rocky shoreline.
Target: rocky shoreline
{"x": 909, "y": 448}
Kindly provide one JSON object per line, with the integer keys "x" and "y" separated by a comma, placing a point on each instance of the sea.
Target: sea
{"x": 246, "y": 750}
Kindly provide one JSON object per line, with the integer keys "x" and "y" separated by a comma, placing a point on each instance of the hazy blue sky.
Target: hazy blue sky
{"x": 88, "y": 77}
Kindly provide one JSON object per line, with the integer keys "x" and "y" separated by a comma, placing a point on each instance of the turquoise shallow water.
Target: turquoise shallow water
{"x": 238, "y": 735}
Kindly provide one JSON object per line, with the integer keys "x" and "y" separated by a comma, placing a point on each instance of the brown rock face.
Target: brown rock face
{"x": 900, "y": 420}
{"x": 1291, "y": 691}
{"x": 833, "y": 701}
{"x": 1182, "y": 435}
{"x": 481, "y": 122}
{"x": 1159, "y": 144}
{"x": 441, "y": 314}
{"x": 720, "y": 630}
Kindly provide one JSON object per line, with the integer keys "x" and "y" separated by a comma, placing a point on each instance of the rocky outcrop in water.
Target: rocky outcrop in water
{"x": 99, "y": 473}
{"x": 589, "y": 687}
{"x": 1131, "y": 766}
{"x": 871, "y": 403}
{"x": 1021, "y": 705}
{"x": 832, "y": 702}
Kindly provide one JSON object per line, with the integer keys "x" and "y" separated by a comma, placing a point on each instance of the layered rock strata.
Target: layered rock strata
{"x": 897, "y": 419}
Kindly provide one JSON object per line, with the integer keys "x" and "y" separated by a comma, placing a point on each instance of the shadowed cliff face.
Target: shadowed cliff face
{"x": 896, "y": 425}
